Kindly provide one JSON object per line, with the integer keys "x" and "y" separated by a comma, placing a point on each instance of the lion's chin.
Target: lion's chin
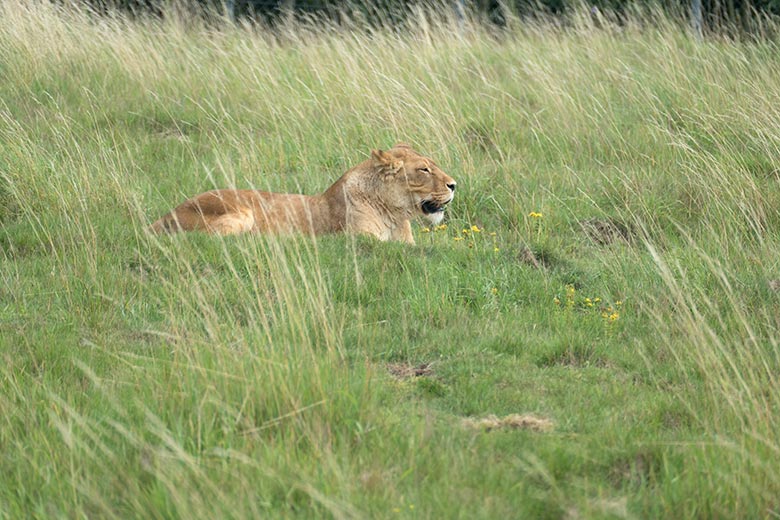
{"x": 435, "y": 218}
{"x": 433, "y": 211}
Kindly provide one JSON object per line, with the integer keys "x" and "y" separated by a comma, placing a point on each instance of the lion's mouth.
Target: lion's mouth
{"x": 429, "y": 207}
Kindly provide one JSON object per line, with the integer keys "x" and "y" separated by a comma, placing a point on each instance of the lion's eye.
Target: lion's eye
{"x": 424, "y": 170}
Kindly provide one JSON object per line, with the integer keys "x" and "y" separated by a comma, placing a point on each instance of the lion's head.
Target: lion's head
{"x": 414, "y": 182}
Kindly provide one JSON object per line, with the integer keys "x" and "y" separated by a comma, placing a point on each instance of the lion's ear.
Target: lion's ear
{"x": 381, "y": 158}
{"x": 386, "y": 163}
{"x": 396, "y": 167}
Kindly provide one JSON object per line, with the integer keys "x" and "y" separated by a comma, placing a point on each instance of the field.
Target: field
{"x": 593, "y": 335}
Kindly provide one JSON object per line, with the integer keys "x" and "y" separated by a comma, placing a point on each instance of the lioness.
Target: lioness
{"x": 377, "y": 197}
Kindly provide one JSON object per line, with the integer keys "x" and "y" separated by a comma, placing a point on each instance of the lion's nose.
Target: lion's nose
{"x": 451, "y": 186}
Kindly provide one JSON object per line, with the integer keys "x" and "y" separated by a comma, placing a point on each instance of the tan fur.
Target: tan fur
{"x": 377, "y": 197}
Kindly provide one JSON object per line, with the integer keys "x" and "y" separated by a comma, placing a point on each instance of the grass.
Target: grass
{"x": 609, "y": 265}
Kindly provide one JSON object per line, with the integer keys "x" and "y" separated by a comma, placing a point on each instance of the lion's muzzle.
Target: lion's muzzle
{"x": 429, "y": 207}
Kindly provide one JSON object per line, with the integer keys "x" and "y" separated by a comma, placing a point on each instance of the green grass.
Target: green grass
{"x": 200, "y": 377}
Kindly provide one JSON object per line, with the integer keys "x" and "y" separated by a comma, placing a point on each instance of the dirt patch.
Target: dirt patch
{"x": 774, "y": 285}
{"x": 374, "y": 480}
{"x": 509, "y": 422}
{"x": 9, "y": 208}
{"x": 408, "y": 371}
{"x": 174, "y": 134}
{"x": 606, "y": 231}
{"x": 170, "y": 129}
{"x": 526, "y": 256}
{"x": 635, "y": 471}
{"x": 538, "y": 257}
{"x": 572, "y": 357}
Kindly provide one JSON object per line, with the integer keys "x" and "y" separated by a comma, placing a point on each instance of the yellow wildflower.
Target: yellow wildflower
{"x": 496, "y": 250}
{"x": 440, "y": 227}
{"x": 466, "y": 231}
{"x": 570, "y": 290}
{"x": 475, "y": 229}
{"x": 535, "y": 214}
{"x": 492, "y": 233}
{"x": 614, "y": 316}
{"x": 458, "y": 238}
{"x": 425, "y": 230}
{"x": 494, "y": 290}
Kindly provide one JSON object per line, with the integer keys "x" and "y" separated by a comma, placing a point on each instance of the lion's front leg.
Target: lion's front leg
{"x": 403, "y": 232}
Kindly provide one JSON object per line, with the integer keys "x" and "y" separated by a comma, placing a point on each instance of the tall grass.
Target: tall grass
{"x": 610, "y": 264}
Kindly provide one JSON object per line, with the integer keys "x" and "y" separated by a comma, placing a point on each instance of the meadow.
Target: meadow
{"x": 593, "y": 334}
